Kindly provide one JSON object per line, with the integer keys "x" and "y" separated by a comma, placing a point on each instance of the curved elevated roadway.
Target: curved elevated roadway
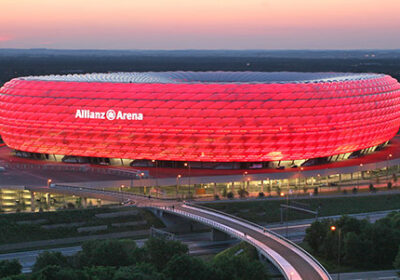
{"x": 294, "y": 262}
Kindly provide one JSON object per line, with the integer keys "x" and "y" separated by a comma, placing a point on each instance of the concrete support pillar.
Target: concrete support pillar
{"x": 233, "y": 186}
{"x": 215, "y": 188}
{"x": 217, "y": 235}
{"x": 47, "y": 196}
{"x": 33, "y": 201}
{"x": 247, "y": 185}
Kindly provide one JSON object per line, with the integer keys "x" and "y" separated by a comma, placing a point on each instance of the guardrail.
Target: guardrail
{"x": 263, "y": 229}
{"x": 119, "y": 193}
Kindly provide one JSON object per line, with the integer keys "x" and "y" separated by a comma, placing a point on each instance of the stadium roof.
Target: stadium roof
{"x": 181, "y": 77}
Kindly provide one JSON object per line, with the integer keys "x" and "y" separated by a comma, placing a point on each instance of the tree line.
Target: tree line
{"x": 158, "y": 259}
{"x": 364, "y": 245}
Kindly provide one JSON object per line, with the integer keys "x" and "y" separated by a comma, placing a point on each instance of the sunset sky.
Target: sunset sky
{"x": 200, "y": 24}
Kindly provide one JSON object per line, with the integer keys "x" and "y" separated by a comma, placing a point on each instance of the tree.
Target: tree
{"x": 9, "y": 267}
{"x": 47, "y": 258}
{"x": 316, "y": 233}
{"x": 238, "y": 268}
{"x": 389, "y": 185}
{"x": 100, "y": 272}
{"x": 53, "y": 272}
{"x": 183, "y": 267}
{"x": 143, "y": 271}
{"x": 159, "y": 251}
{"x": 356, "y": 250}
{"x": 109, "y": 253}
{"x": 396, "y": 263}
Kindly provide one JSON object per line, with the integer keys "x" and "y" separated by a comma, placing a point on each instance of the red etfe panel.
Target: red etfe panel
{"x": 200, "y": 121}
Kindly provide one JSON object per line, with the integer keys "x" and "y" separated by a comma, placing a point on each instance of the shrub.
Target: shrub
{"x": 9, "y": 268}
{"x": 389, "y": 185}
{"x": 47, "y": 258}
{"x": 355, "y": 190}
{"x": 230, "y": 195}
{"x": 371, "y": 187}
{"x": 243, "y": 193}
{"x": 261, "y": 195}
{"x": 316, "y": 191}
{"x": 216, "y": 197}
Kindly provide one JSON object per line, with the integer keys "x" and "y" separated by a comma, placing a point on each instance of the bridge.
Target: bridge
{"x": 293, "y": 261}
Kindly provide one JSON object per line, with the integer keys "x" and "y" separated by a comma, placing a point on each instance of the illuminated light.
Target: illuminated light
{"x": 201, "y": 119}
{"x": 282, "y": 194}
{"x": 333, "y": 228}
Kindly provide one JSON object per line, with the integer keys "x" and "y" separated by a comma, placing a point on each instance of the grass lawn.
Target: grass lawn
{"x": 269, "y": 211}
{"x": 13, "y": 231}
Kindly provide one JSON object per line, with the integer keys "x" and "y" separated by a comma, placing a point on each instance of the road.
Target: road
{"x": 368, "y": 275}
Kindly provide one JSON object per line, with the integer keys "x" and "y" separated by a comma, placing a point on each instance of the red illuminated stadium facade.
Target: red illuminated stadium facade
{"x": 200, "y": 116}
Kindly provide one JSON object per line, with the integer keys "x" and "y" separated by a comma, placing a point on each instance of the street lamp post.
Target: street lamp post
{"x": 188, "y": 166}
{"x": 156, "y": 164}
{"x": 387, "y": 166}
{"x": 244, "y": 179}
{"x": 333, "y": 229}
{"x": 177, "y": 184}
{"x": 141, "y": 181}
{"x": 358, "y": 175}
{"x": 121, "y": 189}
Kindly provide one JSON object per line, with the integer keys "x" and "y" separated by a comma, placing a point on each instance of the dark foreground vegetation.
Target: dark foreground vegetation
{"x": 15, "y": 63}
{"x": 159, "y": 259}
{"x": 364, "y": 245}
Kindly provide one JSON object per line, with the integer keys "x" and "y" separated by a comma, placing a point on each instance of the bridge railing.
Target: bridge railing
{"x": 264, "y": 229}
{"x": 282, "y": 265}
{"x": 120, "y": 193}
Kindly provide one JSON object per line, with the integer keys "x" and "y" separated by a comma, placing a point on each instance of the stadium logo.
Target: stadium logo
{"x": 109, "y": 115}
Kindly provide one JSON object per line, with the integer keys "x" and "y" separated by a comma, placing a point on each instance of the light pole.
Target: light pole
{"x": 244, "y": 179}
{"x": 387, "y": 166}
{"x": 177, "y": 184}
{"x": 141, "y": 181}
{"x": 121, "y": 190}
{"x": 358, "y": 175}
{"x": 188, "y": 166}
{"x": 333, "y": 229}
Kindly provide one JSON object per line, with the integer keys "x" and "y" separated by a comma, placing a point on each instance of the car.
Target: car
{"x": 2, "y": 169}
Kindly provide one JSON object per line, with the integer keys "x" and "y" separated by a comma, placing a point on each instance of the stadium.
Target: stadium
{"x": 201, "y": 117}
